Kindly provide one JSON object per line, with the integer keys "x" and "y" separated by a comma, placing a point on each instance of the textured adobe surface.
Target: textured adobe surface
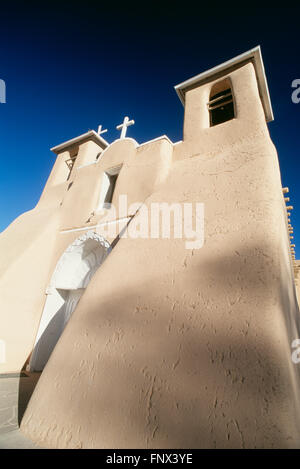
{"x": 169, "y": 347}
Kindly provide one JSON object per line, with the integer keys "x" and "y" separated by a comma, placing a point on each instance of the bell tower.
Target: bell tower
{"x": 227, "y": 102}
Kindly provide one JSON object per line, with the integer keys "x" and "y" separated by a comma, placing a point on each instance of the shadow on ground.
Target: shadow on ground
{"x": 15, "y": 392}
{"x": 26, "y": 387}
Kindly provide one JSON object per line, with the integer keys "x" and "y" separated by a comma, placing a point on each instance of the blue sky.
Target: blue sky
{"x": 69, "y": 68}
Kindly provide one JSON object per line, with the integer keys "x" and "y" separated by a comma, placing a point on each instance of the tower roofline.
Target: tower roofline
{"x": 252, "y": 55}
{"x": 90, "y": 135}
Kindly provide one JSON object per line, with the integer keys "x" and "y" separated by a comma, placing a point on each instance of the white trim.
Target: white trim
{"x": 137, "y": 145}
{"x": 253, "y": 55}
{"x": 155, "y": 140}
{"x": 126, "y": 138}
{"x": 90, "y": 134}
{"x": 84, "y": 228}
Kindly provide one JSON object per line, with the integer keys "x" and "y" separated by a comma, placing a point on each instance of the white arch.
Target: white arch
{"x": 70, "y": 273}
{"x": 71, "y": 276}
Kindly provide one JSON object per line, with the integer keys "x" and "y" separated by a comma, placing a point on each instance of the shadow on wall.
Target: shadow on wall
{"x": 197, "y": 367}
{"x": 41, "y": 353}
{"x": 48, "y": 340}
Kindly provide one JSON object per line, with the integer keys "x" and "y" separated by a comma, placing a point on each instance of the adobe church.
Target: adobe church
{"x": 143, "y": 343}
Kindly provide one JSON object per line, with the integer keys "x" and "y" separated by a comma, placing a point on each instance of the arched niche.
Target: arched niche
{"x": 71, "y": 276}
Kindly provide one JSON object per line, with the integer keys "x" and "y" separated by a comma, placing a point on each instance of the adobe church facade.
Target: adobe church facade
{"x": 142, "y": 342}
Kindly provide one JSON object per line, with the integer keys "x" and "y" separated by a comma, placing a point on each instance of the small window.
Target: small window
{"x": 112, "y": 179}
{"x": 108, "y": 185}
{"x": 221, "y": 106}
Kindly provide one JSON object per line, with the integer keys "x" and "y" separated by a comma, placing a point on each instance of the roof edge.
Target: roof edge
{"x": 90, "y": 135}
{"x": 253, "y": 55}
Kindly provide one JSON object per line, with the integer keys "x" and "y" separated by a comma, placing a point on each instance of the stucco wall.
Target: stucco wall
{"x": 184, "y": 348}
{"x": 32, "y": 245}
{"x": 177, "y": 348}
{"x": 297, "y": 280}
{"x": 26, "y": 250}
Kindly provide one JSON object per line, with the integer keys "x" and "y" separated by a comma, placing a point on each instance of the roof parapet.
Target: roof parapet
{"x": 90, "y": 135}
{"x": 252, "y": 55}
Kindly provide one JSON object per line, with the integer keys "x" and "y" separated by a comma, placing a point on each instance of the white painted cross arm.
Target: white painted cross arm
{"x": 123, "y": 127}
{"x": 100, "y": 131}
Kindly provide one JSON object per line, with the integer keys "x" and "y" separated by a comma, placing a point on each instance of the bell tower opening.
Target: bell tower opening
{"x": 220, "y": 105}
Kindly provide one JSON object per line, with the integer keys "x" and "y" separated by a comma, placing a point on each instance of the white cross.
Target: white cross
{"x": 100, "y": 131}
{"x": 126, "y": 123}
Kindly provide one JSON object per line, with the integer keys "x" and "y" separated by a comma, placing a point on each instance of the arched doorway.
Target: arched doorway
{"x": 72, "y": 274}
